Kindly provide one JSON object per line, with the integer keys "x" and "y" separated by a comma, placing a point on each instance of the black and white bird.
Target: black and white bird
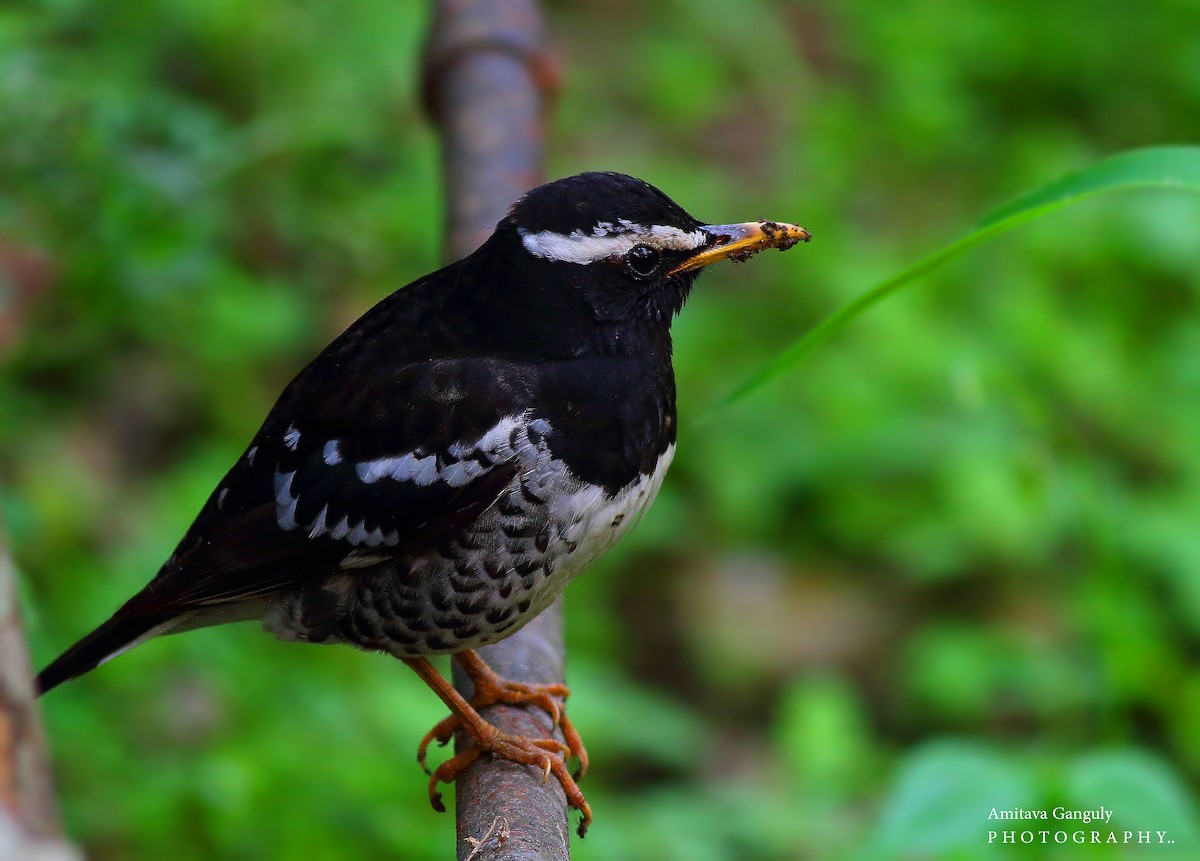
{"x": 439, "y": 473}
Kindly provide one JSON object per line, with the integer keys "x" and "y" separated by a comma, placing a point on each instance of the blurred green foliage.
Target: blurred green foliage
{"x": 952, "y": 563}
{"x": 1175, "y": 168}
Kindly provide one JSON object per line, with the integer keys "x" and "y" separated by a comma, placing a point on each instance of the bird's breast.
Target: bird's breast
{"x": 545, "y": 527}
{"x": 552, "y": 519}
{"x": 589, "y": 519}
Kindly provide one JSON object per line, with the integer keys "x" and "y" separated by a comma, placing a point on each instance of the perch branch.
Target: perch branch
{"x": 488, "y": 79}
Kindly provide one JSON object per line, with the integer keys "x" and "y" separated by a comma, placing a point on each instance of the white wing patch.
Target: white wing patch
{"x": 421, "y": 471}
{"x": 285, "y": 503}
{"x": 593, "y": 521}
{"x": 608, "y": 240}
{"x": 457, "y": 466}
{"x": 318, "y": 524}
{"x": 461, "y": 464}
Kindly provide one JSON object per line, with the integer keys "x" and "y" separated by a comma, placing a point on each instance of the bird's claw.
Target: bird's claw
{"x": 442, "y": 732}
{"x": 547, "y": 754}
{"x": 491, "y": 689}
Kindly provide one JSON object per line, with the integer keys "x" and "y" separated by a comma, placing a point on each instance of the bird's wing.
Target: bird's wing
{"x": 376, "y": 468}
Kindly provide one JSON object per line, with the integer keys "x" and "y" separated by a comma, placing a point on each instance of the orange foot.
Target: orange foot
{"x": 547, "y": 754}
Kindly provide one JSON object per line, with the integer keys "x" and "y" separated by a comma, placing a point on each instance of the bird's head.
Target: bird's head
{"x": 623, "y": 247}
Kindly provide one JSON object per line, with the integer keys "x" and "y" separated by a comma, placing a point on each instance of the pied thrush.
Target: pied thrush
{"x": 437, "y": 475}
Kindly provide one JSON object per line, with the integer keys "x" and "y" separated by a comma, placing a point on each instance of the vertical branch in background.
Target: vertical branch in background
{"x": 487, "y": 82}
{"x": 29, "y": 824}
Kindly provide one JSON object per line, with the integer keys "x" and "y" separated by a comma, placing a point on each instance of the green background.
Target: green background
{"x": 949, "y": 564}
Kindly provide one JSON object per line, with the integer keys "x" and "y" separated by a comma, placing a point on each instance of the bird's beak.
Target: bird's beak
{"x": 740, "y": 241}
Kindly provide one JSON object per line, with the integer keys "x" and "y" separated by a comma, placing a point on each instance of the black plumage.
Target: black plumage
{"x": 436, "y": 476}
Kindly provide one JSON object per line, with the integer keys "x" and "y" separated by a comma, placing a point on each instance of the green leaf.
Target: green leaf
{"x": 942, "y": 796}
{"x": 1154, "y": 167}
{"x": 1144, "y": 793}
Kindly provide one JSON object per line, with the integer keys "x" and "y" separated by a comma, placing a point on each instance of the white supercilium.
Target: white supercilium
{"x": 608, "y": 240}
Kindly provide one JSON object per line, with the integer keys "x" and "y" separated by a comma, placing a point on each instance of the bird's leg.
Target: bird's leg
{"x": 547, "y": 754}
{"x": 489, "y": 689}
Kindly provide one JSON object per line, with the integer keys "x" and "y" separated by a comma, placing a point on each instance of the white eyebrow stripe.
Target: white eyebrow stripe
{"x": 607, "y": 240}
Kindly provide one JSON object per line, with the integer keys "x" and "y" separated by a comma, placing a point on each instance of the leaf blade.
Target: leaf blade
{"x": 1171, "y": 167}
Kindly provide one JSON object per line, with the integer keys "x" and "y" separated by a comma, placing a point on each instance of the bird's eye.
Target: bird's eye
{"x": 642, "y": 260}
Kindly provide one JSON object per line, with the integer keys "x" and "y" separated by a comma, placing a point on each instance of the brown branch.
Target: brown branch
{"x": 29, "y": 823}
{"x": 527, "y": 817}
{"x": 488, "y": 78}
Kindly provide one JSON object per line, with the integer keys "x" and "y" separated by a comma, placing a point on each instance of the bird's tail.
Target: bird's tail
{"x": 115, "y": 636}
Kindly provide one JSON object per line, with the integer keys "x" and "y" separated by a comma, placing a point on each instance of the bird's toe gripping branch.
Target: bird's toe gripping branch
{"x": 547, "y": 754}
